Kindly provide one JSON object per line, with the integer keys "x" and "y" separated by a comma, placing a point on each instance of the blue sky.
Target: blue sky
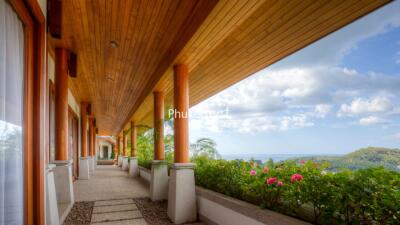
{"x": 332, "y": 97}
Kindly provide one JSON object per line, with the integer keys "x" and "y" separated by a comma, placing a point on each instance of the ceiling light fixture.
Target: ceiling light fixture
{"x": 114, "y": 44}
{"x": 109, "y": 77}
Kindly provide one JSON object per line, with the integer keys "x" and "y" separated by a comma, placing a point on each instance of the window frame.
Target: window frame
{"x": 34, "y": 108}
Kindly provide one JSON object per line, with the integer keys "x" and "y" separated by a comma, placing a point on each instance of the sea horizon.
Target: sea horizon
{"x": 266, "y": 157}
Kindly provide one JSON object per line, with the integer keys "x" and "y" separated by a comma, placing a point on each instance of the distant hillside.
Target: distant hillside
{"x": 362, "y": 158}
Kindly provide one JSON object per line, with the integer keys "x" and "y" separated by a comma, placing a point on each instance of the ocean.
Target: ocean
{"x": 266, "y": 157}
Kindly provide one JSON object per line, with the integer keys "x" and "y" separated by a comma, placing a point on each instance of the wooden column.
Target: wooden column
{"x": 158, "y": 121}
{"x": 61, "y": 104}
{"x": 84, "y": 136}
{"x": 181, "y": 106}
{"x": 95, "y": 142}
{"x": 117, "y": 152}
{"x": 133, "y": 139}
{"x": 123, "y": 143}
{"x": 91, "y": 139}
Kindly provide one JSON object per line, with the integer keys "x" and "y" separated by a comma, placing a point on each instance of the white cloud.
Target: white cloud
{"x": 361, "y": 106}
{"x": 322, "y": 110}
{"x": 296, "y": 121}
{"x": 372, "y": 120}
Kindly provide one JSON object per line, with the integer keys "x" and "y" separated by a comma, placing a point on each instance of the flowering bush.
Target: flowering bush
{"x": 369, "y": 196}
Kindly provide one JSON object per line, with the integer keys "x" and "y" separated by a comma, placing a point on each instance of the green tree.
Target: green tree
{"x": 205, "y": 147}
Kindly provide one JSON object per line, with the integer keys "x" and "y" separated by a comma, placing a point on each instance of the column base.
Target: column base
{"x": 133, "y": 167}
{"x": 159, "y": 180}
{"x": 64, "y": 188}
{"x": 182, "y": 194}
{"x": 63, "y": 181}
{"x": 92, "y": 163}
{"x": 52, "y": 217}
{"x": 84, "y": 168}
{"x": 120, "y": 161}
{"x": 125, "y": 163}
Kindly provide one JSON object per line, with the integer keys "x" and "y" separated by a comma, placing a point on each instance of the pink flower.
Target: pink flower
{"x": 302, "y": 161}
{"x": 253, "y": 172}
{"x": 279, "y": 184}
{"x": 271, "y": 180}
{"x": 266, "y": 170}
{"x": 296, "y": 177}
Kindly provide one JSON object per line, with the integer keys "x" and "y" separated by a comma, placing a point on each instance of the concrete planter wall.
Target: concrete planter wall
{"x": 216, "y": 208}
{"x": 145, "y": 173}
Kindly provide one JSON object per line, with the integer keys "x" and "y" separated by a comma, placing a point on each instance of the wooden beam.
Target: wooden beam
{"x": 54, "y": 17}
{"x": 73, "y": 65}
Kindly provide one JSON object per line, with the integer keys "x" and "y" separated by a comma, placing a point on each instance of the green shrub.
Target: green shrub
{"x": 368, "y": 196}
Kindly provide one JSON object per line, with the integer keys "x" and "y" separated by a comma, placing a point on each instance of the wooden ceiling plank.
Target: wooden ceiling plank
{"x": 309, "y": 33}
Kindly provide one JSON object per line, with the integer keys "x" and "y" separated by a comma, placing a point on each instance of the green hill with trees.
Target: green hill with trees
{"x": 361, "y": 159}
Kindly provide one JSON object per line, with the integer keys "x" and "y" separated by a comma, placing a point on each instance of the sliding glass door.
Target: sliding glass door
{"x": 11, "y": 116}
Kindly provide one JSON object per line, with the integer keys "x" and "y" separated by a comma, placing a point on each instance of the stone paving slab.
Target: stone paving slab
{"x": 106, "y": 217}
{"x": 114, "y": 208}
{"x": 124, "y": 222}
{"x": 113, "y": 202}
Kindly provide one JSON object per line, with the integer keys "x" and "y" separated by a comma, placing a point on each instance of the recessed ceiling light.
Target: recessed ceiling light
{"x": 109, "y": 77}
{"x": 114, "y": 44}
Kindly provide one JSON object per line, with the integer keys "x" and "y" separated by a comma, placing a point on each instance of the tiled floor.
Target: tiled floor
{"x": 110, "y": 182}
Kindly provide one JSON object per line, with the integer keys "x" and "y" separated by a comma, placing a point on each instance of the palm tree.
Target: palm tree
{"x": 205, "y": 147}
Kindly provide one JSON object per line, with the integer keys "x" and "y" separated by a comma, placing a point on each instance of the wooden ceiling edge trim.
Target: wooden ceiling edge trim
{"x": 201, "y": 10}
{"x": 212, "y": 93}
{"x": 293, "y": 51}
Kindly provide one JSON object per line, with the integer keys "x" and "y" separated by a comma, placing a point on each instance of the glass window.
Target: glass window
{"x": 11, "y": 114}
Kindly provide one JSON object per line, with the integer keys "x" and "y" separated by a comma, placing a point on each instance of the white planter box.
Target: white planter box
{"x": 145, "y": 173}
{"x": 216, "y": 208}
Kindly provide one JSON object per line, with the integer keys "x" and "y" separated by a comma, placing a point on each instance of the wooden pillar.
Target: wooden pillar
{"x": 61, "y": 104}
{"x": 181, "y": 108}
{"x": 117, "y": 152}
{"x": 123, "y": 143}
{"x": 158, "y": 126}
{"x": 133, "y": 139}
{"x": 84, "y": 136}
{"x": 95, "y": 143}
{"x": 91, "y": 139}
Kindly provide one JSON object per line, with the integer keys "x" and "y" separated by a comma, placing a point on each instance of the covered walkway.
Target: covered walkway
{"x": 108, "y": 198}
{"x": 110, "y": 182}
{"x": 111, "y": 197}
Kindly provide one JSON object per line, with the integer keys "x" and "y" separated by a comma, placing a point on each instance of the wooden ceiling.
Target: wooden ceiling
{"x": 222, "y": 42}
{"x": 241, "y": 37}
{"x": 149, "y": 34}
